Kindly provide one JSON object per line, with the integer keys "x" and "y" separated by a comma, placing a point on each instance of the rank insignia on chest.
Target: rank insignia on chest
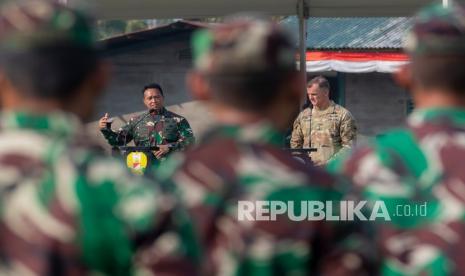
{"x": 333, "y": 117}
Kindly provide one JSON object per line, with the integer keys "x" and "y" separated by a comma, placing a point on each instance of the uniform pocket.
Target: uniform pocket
{"x": 170, "y": 130}
{"x": 142, "y": 132}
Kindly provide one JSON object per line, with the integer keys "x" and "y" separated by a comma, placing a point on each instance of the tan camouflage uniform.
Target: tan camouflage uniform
{"x": 330, "y": 131}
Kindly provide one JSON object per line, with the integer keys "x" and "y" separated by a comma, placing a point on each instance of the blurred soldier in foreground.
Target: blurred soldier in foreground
{"x": 157, "y": 126}
{"x": 245, "y": 71}
{"x": 66, "y": 209}
{"x": 421, "y": 165}
{"x": 328, "y": 127}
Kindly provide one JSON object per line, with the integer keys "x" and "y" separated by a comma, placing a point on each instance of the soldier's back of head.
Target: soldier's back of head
{"x": 49, "y": 53}
{"x": 436, "y": 47}
{"x": 65, "y": 207}
{"x": 246, "y": 61}
{"x": 246, "y": 69}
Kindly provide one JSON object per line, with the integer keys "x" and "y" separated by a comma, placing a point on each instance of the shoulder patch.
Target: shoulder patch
{"x": 306, "y": 112}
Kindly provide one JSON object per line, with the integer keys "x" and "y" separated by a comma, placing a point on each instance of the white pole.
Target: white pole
{"x": 445, "y": 3}
{"x": 302, "y": 41}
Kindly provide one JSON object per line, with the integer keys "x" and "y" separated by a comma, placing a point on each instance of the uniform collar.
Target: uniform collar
{"x": 56, "y": 123}
{"x": 162, "y": 111}
{"x": 453, "y": 115}
{"x": 261, "y": 132}
{"x": 324, "y": 111}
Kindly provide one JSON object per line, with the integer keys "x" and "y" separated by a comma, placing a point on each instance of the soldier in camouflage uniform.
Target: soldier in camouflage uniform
{"x": 155, "y": 127}
{"x": 327, "y": 127}
{"x": 421, "y": 164}
{"x": 66, "y": 209}
{"x": 245, "y": 70}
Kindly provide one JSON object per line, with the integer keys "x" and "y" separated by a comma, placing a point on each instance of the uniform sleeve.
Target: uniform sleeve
{"x": 185, "y": 134}
{"x": 123, "y": 136}
{"x": 348, "y": 133}
{"x": 297, "y": 136}
{"x": 348, "y": 130}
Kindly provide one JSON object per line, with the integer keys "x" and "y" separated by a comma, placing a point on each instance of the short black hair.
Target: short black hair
{"x": 445, "y": 72}
{"x": 153, "y": 85}
{"x": 251, "y": 91}
{"x": 50, "y": 71}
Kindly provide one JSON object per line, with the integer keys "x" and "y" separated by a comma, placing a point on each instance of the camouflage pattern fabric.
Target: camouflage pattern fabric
{"x": 152, "y": 129}
{"x": 419, "y": 164}
{"x": 243, "y": 46}
{"x": 234, "y": 163}
{"x": 29, "y": 24}
{"x": 437, "y": 30}
{"x": 330, "y": 131}
{"x": 66, "y": 209}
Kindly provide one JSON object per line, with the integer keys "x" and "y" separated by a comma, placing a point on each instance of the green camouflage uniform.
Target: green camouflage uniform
{"x": 152, "y": 129}
{"x": 244, "y": 162}
{"x": 66, "y": 209}
{"x": 420, "y": 164}
{"x": 233, "y": 163}
{"x": 330, "y": 131}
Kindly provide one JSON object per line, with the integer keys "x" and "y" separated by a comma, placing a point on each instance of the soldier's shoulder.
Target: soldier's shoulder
{"x": 393, "y": 136}
{"x": 93, "y": 164}
{"x": 386, "y": 144}
{"x": 401, "y": 144}
{"x": 178, "y": 118}
{"x": 280, "y": 167}
{"x": 83, "y": 148}
{"x": 342, "y": 110}
{"x": 306, "y": 112}
{"x": 136, "y": 117}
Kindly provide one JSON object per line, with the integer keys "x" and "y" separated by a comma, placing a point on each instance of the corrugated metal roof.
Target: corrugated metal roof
{"x": 153, "y": 33}
{"x": 353, "y": 33}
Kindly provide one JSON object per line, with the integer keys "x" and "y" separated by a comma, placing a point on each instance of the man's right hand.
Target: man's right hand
{"x": 102, "y": 123}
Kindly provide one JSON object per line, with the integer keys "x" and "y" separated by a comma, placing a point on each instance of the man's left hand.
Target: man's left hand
{"x": 163, "y": 150}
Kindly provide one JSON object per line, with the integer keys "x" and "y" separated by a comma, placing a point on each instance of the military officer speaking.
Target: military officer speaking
{"x": 327, "y": 126}
{"x": 155, "y": 127}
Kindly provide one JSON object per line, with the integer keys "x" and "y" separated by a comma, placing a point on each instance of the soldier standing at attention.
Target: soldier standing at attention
{"x": 418, "y": 170}
{"x": 157, "y": 126}
{"x": 245, "y": 71}
{"x": 328, "y": 127}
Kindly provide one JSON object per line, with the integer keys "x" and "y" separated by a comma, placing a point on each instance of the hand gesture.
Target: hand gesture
{"x": 102, "y": 123}
{"x": 163, "y": 150}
